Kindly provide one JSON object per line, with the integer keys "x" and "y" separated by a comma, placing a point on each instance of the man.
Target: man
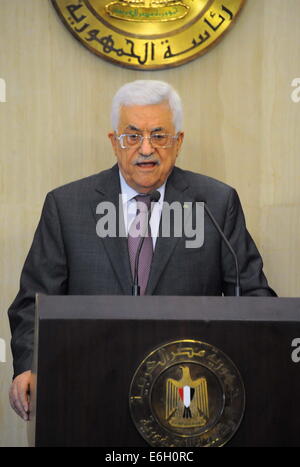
{"x": 68, "y": 256}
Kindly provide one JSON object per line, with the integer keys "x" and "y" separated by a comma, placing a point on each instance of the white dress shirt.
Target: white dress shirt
{"x": 129, "y": 207}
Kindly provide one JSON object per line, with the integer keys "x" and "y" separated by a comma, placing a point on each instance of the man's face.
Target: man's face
{"x": 144, "y": 167}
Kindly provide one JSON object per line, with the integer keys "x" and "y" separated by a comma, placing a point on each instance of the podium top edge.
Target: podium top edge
{"x": 161, "y": 307}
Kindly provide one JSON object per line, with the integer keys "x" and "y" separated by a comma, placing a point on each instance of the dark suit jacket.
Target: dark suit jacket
{"x": 67, "y": 256}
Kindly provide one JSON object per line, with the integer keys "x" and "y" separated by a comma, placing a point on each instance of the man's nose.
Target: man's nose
{"x": 146, "y": 148}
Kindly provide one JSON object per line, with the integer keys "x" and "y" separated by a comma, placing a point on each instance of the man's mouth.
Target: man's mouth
{"x": 148, "y": 164}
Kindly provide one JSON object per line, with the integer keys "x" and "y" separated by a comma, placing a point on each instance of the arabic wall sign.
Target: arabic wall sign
{"x": 148, "y": 34}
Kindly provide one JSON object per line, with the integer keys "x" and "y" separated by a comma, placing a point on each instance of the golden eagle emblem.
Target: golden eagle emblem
{"x": 187, "y": 401}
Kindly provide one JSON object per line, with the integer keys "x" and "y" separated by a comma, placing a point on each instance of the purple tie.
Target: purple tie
{"x": 139, "y": 228}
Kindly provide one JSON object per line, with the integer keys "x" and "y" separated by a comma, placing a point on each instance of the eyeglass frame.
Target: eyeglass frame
{"x": 142, "y": 137}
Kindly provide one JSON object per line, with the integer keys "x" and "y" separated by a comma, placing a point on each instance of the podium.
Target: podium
{"x": 88, "y": 350}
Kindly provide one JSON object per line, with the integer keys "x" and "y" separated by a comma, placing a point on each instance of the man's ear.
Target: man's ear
{"x": 179, "y": 142}
{"x": 111, "y": 135}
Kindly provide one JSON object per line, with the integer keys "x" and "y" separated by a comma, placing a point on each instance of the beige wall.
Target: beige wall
{"x": 241, "y": 127}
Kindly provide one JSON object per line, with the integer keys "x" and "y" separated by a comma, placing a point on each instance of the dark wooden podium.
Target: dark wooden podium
{"x": 87, "y": 349}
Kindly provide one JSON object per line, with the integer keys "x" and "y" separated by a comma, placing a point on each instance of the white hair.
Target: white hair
{"x": 147, "y": 92}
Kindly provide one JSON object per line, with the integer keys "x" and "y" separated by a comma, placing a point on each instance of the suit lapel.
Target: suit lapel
{"x": 176, "y": 190}
{"x": 108, "y": 190}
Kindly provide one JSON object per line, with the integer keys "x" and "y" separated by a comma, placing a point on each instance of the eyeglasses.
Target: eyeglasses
{"x": 157, "y": 140}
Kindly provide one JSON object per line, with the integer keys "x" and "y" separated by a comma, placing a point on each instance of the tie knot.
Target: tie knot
{"x": 146, "y": 199}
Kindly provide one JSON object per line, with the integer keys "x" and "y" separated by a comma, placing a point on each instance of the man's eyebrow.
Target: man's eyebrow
{"x": 159, "y": 128}
{"x": 134, "y": 128}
